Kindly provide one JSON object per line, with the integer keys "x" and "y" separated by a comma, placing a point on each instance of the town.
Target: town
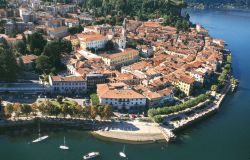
{"x": 137, "y": 68}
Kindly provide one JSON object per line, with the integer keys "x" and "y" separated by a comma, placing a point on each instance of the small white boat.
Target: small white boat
{"x": 91, "y": 155}
{"x": 39, "y": 139}
{"x": 64, "y": 147}
{"x": 122, "y": 153}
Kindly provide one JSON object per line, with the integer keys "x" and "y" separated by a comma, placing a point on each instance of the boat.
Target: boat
{"x": 122, "y": 153}
{"x": 39, "y": 139}
{"x": 64, "y": 147}
{"x": 91, "y": 155}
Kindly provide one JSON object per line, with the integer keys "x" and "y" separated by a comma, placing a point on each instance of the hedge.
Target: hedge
{"x": 188, "y": 104}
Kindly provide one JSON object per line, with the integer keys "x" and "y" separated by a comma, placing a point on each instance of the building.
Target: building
{"x": 68, "y": 85}
{"x": 185, "y": 83}
{"x": 122, "y": 58}
{"x": 9, "y": 28}
{"x": 28, "y": 61}
{"x": 72, "y": 22}
{"x": 121, "y": 98}
{"x": 35, "y": 4}
{"x": 58, "y": 32}
{"x": 159, "y": 98}
{"x": 93, "y": 79}
{"x": 92, "y": 40}
{"x": 28, "y": 16}
{"x": 145, "y": 51}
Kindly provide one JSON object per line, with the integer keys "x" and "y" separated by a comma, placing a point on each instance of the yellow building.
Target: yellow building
{"x": 125, "y": 57}
{"x": 184, "y": 83}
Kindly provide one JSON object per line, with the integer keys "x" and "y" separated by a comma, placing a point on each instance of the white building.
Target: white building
{"x": 68, "y": 85}
{"x": 58, "y": 32}
{"x": 92, "y": 40}
{"x": 120, "y": 97}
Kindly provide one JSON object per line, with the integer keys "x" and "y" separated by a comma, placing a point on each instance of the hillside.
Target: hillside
{"x": 218, "y": 3}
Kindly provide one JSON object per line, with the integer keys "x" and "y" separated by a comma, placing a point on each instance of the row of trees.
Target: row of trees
{"x": 155, "y": 113}
{"x": 64, "y": 109}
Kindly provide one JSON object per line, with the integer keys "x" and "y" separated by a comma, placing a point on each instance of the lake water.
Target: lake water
{"x": 223, "y": 136}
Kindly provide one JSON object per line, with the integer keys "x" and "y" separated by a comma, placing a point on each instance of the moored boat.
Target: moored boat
{"x": 91, "y": 155}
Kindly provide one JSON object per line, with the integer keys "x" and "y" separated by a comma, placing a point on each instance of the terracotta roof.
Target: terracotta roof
{"x": 73, "y": 78}
{"x": 110, "y": 91}
{"x": 28, "y": 58}
{"x": 91, "y": 36}
{"x": 124, "y": 52}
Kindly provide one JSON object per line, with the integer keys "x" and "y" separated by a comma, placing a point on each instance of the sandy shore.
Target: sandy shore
{"x": 131, "y": 132}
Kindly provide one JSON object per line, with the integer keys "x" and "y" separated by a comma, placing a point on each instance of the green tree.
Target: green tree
{"x": 21, "y": 47}
{"x": 93, "y": 112}
{"x": 66, "y": 110}
{"x": 36, "y": 43}
{"x": 214, "y": 88}
{"x": 9, "y": 69}
{"x": 54, "y": 110}
{"x": 26, "y": 109}
{"x": 66, "y": 46}
{"x": 86, "y": 112}
{"x": 17, "y": 108}
{"x": 73, "y": 30}
{"x": 43, "y": 64}
{"x": 53, "y": 51}
{"x": 109, "y": 46}
{"x": 8, "y": 110}
{"x": 108, "y": 112}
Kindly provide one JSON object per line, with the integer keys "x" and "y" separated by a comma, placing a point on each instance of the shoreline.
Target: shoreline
{"x": 141, "y": 132}
{"x": 135, "y": 138}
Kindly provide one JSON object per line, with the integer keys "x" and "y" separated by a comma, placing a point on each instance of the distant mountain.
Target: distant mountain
{"x": 219, "y": 3}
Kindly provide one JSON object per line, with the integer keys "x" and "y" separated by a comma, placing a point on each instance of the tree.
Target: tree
{"x": 59, "y": 99}
{"x": 86, "y": 112}
{"x": 73, "y": 30}
{"x": 108, "y": 113}
{"x": 43, "y": 64}
{"x": 100, "y": 112}
{"x": 66, "y": 110}
{"x": 93, "y": 112}
{"x": 158, "y": 119}
{"x": 8, "y": 110}
{"x": 43, "y": 108}
{"x": 17, "y": 108}
{"x": 214, "y": 88}
{"x": 21, "y": 47}
{"x": 9, "y": 69}
{"x": 229, "y": 58}
{"x": 109, "y": 46}
{"x": 36, "y": 43}
{"x": 53, "y": 51}
{"x": 66, "y": 46}
{"x": 26, "y": 109}
{"x": 54, "y": 110}
{"x": 77, "y": 110}
{"x": 34, "y": 107}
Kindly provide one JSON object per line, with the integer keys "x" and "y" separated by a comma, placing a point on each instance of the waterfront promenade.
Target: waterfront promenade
{"x": 142, "y": 132}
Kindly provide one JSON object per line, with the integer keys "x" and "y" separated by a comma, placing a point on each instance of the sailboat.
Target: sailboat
{"x": 39, "y": 139}
{"x": 122, "y": 153}
{"x": 64, "y": 147}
